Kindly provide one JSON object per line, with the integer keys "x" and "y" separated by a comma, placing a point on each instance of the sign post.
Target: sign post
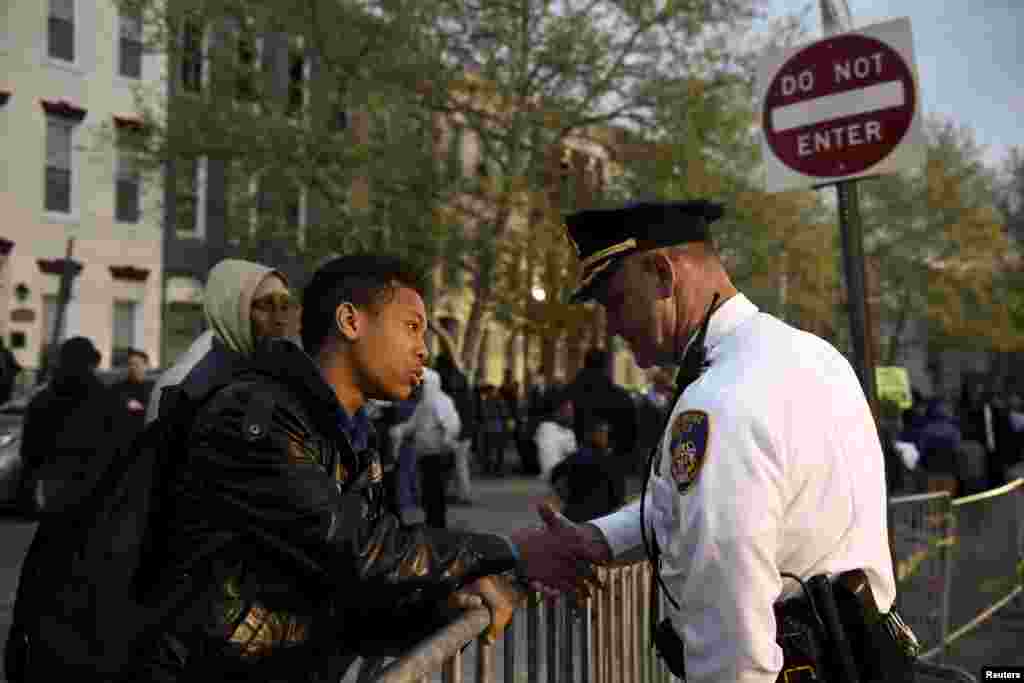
{"x": 851, "y": 232}
{"x": 842, "y": 108}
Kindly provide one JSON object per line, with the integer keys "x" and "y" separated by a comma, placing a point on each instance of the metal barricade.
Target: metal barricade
{"x": 957, "y": 563}
{"x": 603, "y": 639}
{"x": 986, "y": 563}
{"x": 922, "y": 531}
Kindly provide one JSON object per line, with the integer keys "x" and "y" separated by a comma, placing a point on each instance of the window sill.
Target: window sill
{"x": 66, "y": 218}
{"x": 71, "y": 67}
{"x": 181, "y": 235}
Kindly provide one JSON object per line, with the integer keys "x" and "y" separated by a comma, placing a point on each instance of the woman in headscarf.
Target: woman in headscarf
{"x": 243, "y": 302}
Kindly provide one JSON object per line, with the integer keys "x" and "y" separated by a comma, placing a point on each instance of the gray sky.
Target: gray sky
{"x": 969, "y": 58}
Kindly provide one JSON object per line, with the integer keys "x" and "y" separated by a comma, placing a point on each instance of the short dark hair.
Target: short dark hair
{"x": 364, "y": 280}
{"x": 138, "y": 353}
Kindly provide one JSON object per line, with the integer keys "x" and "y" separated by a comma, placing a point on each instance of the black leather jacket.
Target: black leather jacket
{"x": 283, "y": 519}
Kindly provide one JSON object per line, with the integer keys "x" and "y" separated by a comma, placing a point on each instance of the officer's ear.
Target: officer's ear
{"x": 349, "y": 321}
{"x": 664, "y": 271}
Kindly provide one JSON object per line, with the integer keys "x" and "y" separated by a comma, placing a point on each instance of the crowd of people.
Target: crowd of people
{"x": 451, "y": 432}
{"x": 962, "y": 447}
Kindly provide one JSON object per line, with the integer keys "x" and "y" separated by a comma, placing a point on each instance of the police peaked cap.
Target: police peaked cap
{"x": 602, "y": 238}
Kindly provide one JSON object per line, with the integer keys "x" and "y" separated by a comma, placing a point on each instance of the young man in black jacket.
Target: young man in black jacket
{"x": 280, "y": 507}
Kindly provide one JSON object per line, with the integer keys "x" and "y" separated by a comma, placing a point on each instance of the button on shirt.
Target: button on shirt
{"x": 789, "y": 477}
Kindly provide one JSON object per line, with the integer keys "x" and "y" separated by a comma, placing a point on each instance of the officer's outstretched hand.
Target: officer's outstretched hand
{"x": 560, "y": 555}
{"x": 499, "y": 594}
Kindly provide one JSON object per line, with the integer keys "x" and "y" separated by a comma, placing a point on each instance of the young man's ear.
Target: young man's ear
{"x": 348, "y": 321}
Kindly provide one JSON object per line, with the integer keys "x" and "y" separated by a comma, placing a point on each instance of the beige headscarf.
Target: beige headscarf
{"x": 227, "y": 301}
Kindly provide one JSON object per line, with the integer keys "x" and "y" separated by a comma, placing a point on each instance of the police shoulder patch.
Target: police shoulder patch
{"x": 691, "y": 431}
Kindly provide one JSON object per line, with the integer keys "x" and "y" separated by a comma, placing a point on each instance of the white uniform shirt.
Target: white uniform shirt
{"x": 791, "y": 480}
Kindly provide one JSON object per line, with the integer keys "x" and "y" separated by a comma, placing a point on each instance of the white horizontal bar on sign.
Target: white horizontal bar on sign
{"x": 850, "y": 103}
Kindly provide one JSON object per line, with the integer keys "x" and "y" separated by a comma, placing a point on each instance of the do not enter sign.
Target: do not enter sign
{"x": 837, "y": 108}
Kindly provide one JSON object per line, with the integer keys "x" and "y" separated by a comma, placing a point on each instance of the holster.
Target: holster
{"x": 842, "y": 636}
{"x": 836, "y": 636}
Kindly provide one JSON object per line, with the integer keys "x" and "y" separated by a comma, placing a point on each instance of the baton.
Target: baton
{"x": 821, "y": 592}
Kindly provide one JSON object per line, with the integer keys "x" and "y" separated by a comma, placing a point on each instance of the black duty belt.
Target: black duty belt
{"x": 833, "y": 632}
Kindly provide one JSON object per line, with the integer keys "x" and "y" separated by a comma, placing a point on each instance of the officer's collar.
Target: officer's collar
{"x": 727, "y": 317}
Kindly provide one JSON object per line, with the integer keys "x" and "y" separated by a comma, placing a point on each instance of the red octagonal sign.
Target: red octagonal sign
{"x": 839, "y": 106}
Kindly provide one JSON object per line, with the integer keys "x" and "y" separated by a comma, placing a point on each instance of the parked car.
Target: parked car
{"x": 12, "y": 415}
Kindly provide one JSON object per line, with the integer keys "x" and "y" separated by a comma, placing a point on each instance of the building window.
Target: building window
{"x": 191, "y": 198}
{"x": 125, "y": 324}
{"x": 298, "y": 76}
{"x": 293, "y": 206}
{"x": 58, "y": 164}
{"x": 249, "y": 49}
{"x": 49, "y": 318}
{"x": 61, "y": 30}
{"x": 192, "y": 56}
{"x": 130, "y": 44}
{"x": 128, "y": 184}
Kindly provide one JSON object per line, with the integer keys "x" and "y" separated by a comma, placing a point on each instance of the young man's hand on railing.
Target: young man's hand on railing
{"x": 500, "y": 595}
{"x": 559, "y": 557}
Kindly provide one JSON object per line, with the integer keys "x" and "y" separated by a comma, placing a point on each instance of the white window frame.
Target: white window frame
{"x": 118, "y": 22}
{"x": 199, "y": 231}
{"x": 76, "y": 45}
{"x": 72, "y": 215}
{"x": 300, "y": 234}
{"x": 254, "y": 204}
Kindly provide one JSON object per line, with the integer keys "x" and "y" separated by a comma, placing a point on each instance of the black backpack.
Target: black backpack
{"x": 85, "y": 607}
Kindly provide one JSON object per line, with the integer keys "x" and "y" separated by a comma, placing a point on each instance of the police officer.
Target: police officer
{"x": 770, "y": 463}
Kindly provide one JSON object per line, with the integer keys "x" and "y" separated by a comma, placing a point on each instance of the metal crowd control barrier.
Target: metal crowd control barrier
{"x": 958, "y": 561}
{"x": 548, "y": 641}
{"x": 922, "y": 536}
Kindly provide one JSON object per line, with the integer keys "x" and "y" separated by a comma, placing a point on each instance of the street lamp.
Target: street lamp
{"x": 538, "y": 293}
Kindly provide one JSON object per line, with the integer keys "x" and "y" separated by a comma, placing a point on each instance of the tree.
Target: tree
{"x": 541, "y": 77}
{"x": 706, "y": 147}
{"x": 941, "y": 246}
{"x": 314, "y": 108}
{"x": 1011, "y": 193}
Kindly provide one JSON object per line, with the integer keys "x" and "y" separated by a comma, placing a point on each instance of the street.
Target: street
{"x": 504, "y": 505}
